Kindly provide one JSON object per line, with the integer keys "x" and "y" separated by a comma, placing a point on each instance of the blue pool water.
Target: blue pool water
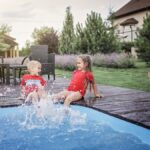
{"x": 81, "y": 129}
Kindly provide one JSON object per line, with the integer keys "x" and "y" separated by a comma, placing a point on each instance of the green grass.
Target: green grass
{"x": 135, "y": 78}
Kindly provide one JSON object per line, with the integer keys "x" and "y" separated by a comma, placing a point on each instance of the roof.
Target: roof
{"x": 9, "y": 40}
{"x": 9, "y": 37}
{"x": 130, "y": 21}
{"x": 133, "y": 6}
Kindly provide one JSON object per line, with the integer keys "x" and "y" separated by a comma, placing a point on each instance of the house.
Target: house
{"x": 11, "y": 48}
{"x": 129, "y": 18}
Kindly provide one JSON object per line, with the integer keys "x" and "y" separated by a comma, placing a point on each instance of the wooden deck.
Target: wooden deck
{"x": 127, "y": 104}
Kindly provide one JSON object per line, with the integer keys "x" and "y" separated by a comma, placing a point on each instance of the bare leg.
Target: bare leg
{"x": 33, "y": 97}
{"x": 73, "y": 96}
{"x": 42, "y": 94}
{"x": 62, "y": 94}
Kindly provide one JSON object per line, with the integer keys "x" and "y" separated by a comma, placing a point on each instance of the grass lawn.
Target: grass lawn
{"x": 135, "y": 78}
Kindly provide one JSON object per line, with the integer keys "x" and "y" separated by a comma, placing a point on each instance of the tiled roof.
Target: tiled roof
{"x": 133, "y": 6}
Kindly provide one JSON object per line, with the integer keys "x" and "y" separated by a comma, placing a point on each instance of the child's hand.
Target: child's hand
{"x": 99, "y": 95}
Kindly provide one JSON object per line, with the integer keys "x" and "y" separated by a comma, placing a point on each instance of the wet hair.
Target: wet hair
{"x": 86, "y": 59}
{"x": 32, "y": 64}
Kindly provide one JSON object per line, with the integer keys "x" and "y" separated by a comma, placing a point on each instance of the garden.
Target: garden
{"x": 113, "y": 62}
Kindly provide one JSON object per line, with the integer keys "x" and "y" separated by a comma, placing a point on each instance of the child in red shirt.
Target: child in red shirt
{"x": 33, "y": 84}
{"x": 79, "y": 83}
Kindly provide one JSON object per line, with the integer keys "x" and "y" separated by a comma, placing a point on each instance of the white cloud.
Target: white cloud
{"x": 24, "y": 16}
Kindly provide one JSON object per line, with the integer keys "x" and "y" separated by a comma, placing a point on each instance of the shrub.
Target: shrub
{"x": 126, "y": 46}
{"x": 66, "y": 62}
{"x": 113, "y": 60}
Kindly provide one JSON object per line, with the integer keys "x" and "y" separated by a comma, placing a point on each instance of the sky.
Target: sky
{"x": 25, "y": 15}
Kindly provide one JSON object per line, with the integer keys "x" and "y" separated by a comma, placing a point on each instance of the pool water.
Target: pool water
{"x": 23, "y": 128}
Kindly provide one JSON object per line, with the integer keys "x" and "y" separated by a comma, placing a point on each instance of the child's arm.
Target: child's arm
{"x": 96, "y": 93}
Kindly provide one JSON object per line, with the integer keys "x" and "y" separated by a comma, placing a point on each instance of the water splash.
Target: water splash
{"x": 46, "y": 114}
{"x": 52, "y": 128}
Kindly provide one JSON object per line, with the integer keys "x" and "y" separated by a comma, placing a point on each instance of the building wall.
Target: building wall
{"x": 125, "y": 32}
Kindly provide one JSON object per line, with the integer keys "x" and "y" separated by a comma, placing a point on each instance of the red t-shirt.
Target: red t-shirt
{"x": 32, "y": 82}
{"x": 80, "y": 81}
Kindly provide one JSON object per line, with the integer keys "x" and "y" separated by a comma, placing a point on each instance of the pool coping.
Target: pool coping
{"x": 116, "y": 116}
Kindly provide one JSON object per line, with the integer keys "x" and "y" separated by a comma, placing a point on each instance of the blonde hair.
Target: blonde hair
{"x": 86, "y": 59}
{"x": 32, "y": 64}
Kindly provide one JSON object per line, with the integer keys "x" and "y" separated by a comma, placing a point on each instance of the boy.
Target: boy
{"x": 33, "y": 84}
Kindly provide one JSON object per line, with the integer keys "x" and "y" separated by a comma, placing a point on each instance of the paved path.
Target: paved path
{"x": 131, "y": 105}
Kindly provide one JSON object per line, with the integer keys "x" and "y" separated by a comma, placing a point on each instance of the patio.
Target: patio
{"x": 128, "y": 104}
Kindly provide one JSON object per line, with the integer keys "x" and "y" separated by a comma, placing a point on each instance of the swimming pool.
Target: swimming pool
{"x": 83, "y": 128}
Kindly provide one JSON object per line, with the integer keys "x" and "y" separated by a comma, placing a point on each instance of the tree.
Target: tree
{"x": 95, "y": 33}
{"x": 143, "y": 40}
{"x": 66, "y": 42}
{"x": 3, "y": 45}
{"x": 113, "y": 40}
{"x": 81, "y": 43}
{"x": 96, "y": 36}
{"x": 46, "y": 36}
{"x": 5, "y": 29}
{"x": 26, "y": 50}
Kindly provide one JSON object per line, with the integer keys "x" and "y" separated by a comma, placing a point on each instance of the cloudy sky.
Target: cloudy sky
{"x": 24, "y": 15}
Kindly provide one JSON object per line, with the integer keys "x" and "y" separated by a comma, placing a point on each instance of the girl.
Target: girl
{"x": 82, "y": 77}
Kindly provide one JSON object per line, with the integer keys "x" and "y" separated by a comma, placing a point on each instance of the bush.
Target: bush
{"x": 65, "y": 62}
{"x": 113, "y": 60}
{"x": 126, "y": 46}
